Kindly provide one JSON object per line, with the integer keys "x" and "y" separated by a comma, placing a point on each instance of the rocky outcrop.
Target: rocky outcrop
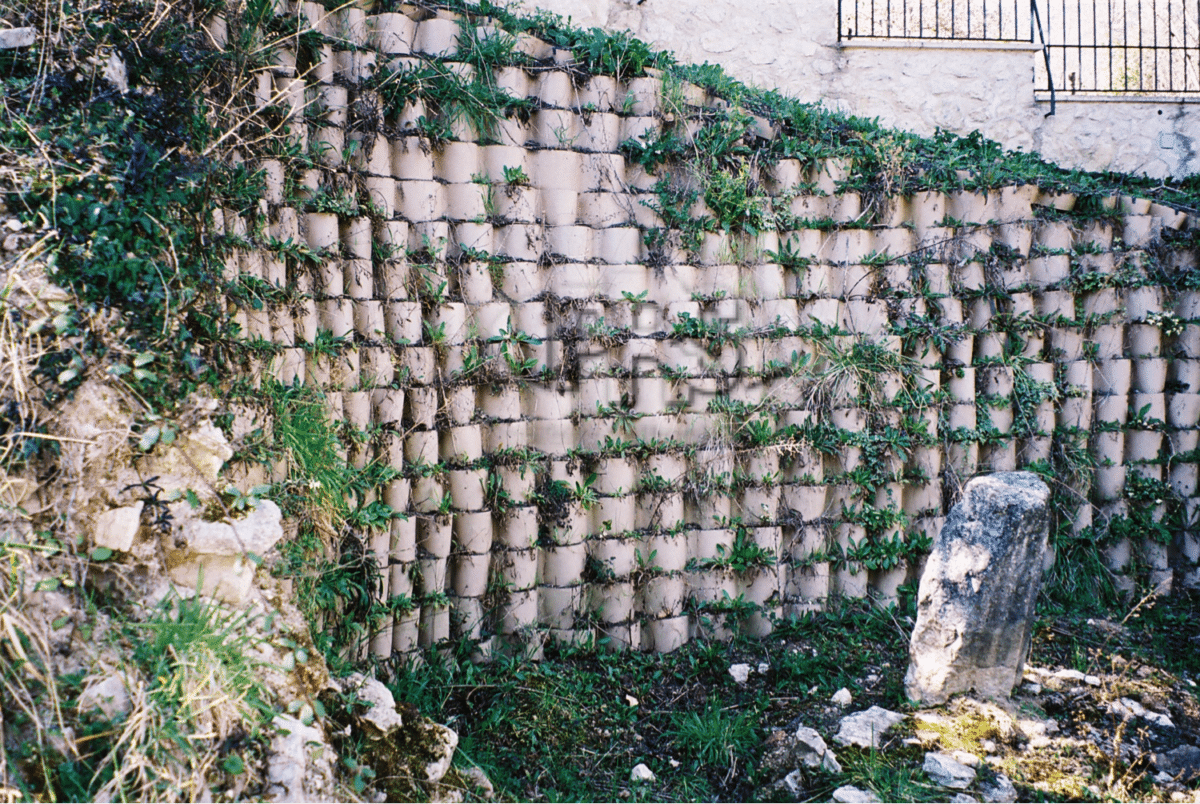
{"x": 221, "y": 555}
{"x": 865, "y": 729}
{"x": 977, "y": 593}
{"x": 948, "y": 771}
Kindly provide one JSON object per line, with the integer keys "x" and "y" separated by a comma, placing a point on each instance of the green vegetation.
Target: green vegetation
{"x": 153, "y": 221}
{"x": 571, "y": 726}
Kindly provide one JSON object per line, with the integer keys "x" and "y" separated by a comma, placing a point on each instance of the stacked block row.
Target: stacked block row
{"x": 604, "y": 430}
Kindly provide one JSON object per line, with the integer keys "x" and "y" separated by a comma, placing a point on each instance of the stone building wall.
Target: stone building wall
{"x": 919, "y": 86}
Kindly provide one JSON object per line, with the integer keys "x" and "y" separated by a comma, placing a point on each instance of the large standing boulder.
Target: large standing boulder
{"x": 977, "y": 594}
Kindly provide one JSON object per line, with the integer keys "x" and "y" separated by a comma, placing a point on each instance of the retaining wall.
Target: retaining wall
{"x": 918, "y": 85}
{"x": 603, "y": 432}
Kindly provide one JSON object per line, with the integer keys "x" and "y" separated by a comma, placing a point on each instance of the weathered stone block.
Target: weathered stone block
{"x": 116, "y": 529}
{"x": 977, "y": 593}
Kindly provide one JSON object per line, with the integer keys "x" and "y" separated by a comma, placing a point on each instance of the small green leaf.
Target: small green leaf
{"x": 233, "y": 764}
{"x": 168, "y": 436}
{"x": 192, "y": 498}
{"x": 102, "y": 554}
{"x": 118, "y": 369}
{"x": 149, "y": 438}
{"x": 144, "y": 374}
{"x": 60, "y": 622}
{"x": 47, "y": 585}
{"x": 143, "y": 359}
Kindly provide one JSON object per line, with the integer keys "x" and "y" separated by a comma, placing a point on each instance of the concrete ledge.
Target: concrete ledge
{"x": 1043, "y": 96}
{"x": 933, "y": 44}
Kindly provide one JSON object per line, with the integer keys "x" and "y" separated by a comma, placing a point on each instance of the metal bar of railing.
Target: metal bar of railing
{"x": 1033, "y": 13}
{"x": 1157, "y": 50}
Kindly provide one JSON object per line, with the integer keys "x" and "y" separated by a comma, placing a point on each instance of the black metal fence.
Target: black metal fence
{"x": 1091, "y": 46}
{"x": 1122, "y": 46}
{"x": 980, "y": 20}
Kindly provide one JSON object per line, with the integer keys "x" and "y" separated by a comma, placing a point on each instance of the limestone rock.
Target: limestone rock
{"x": 793, "y": 783}
{"x": 256, "y": 532}
{"x": 1127, "y": 707}
{"x": 963, "y": 798}
{"x": 110, "y": 695}
{"x": 814, "y": 753}
{"x": 848, "y": 794}
{"x": 381, "y": 716}
{"x": 483, "y": 785}
{"x": 116, "y": 529}
{"x": 439, "y": 744}
{"x": 783, "y": 752}
{"x": 17, "y": 37}
{"x": 978, "y": 590}
{"x": 200, "y": 450}
{"x": 220, "y": 552}
{"x": 842, "y": 698}
{"x": 948, "y": 771}
{"x": 1181, "y": 764}
{"x": 740, "y": 673}
{"x": 999, "y": 791}
{"x": 864, "y": 729}
{"x": 641, "y": 773}
{"x": 966, "y": 758}
{"x": 299, "y": 767}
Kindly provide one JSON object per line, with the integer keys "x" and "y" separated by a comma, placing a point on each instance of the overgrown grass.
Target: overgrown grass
{"x": 572, "y": 726}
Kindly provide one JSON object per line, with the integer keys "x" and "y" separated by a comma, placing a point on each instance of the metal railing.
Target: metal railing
{"x": 967, "y": 20}
{"x": 1090, "y": 46}
{"x": 1122, "y": 46}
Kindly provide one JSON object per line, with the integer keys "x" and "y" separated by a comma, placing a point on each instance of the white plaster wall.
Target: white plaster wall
{"x": 792, "y": 45}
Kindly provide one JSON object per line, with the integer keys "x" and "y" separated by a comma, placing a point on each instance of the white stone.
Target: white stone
{"x": 947, "y": 771}
{"x": 17, "y": 37}
{"x": 816, "y": 752}
{"x": 968, "y": 759}
{"x": 256, "y": 532}
{"x": 842, "y": 697}
{"x": 382, "y": 715}
{"x": 114, "y": 72}
{"x": 740, "y": 672}
{"x": 865, "y": 729}
{"x": 1000, "y": 791}
{"x": 963, "y": 798}
{"x": 109, "y": 695}
{"x": 1131, "y": 708}
{"x": 441, "y": 743}
{"x": 299, "y": 767}
{"x": 116, "y": 529}
{"x": 794, "y": 783}
{"x": 641, "y": 773}
{"x": 222, "y": 553}
{"x": 202, "y": 450}
{"x": 978, "y": 590}
{"x": 847, "y": 794}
